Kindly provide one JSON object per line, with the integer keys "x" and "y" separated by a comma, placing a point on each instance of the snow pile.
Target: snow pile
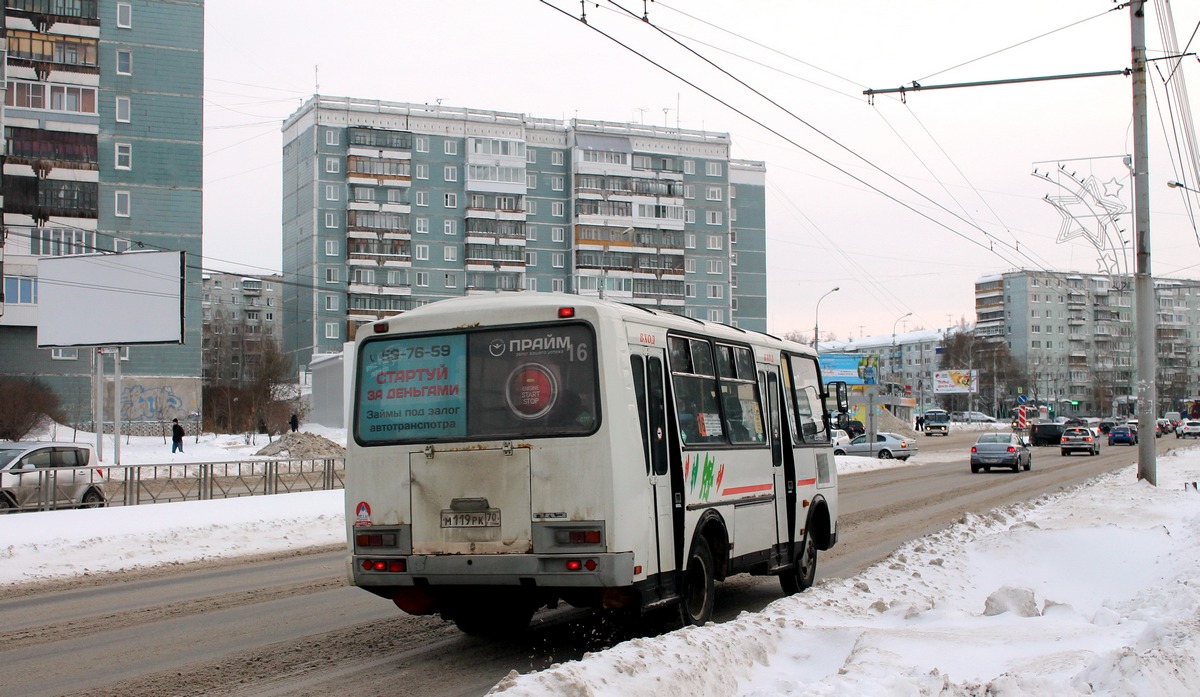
{"x": 303, "y": 446}
{"x": 1091, "y": 592}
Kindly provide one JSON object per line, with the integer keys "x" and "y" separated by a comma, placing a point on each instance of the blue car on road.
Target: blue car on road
{"x": 1122, "y": 434}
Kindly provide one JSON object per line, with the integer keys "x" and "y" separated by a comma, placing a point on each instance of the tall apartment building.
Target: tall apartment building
{"x": 102, "y": 152}
{"x": 387, "y": 206}
{"x": 241, "y": 315}
{"x": 1075, "y": 335}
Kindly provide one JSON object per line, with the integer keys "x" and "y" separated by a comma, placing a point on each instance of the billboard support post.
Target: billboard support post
{"x": 98, "y": 403}
{"x": 116, "y": 354}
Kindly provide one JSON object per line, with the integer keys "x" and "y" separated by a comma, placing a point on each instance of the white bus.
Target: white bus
{"x": 513, "y": 450}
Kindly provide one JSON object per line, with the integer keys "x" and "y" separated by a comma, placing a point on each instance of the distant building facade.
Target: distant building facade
{"x": 388, "y": 206}
{"x": 242, "y": 314}
{"x": 102, "y": 122}
{"x": 1075, "y": 334}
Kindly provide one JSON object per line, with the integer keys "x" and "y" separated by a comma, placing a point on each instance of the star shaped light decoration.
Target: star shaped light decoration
{"x": 1089, "y": 210}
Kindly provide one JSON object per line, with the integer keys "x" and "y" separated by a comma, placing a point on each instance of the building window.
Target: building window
{"x": 531, "y": 258}
{"x": 121, "y": 204}
{"x": 450, "y": 173}
{"x": 713, "y": 193}
{"x": 122, "y": 109}
{"x": 332, "y": 166}
{"x": 423, "y": 226}
{"x": 689, "y": 290}
{"x": 331, "y": 303}
{"x": 557, "y": 285}
{"x": 331, "y": 248}
{"x": 422, "y": 171}
{"x": 331, "y": 275}
{"x": 558, "y": 209}
{"x": 689, "y": 191}
{"x": 531, "y": 156}
{"x": 715, "y": 242}
{"x": 530, "y": 181}
{"x": 421, "y": 143}
{"x": 558, "y": 234}
{"x": 64, "y": 354}
{"x": 733, "y": 284}
{"x": 331, "y": 192}
{"x": 531, "y": 232}
{"x": 689, "y": 240}
{"x": 450, "y": 227}
{"x": 450, "y": 253}
{"x": 714, "y": 217}
{"x": 423, "y": 279}
{"x": 531, "y": 284}
{"x": 450, "y": 201}
{"x": 716, "y": 316}
{"x": 331, "y": 330}
{"x": 689, "y": 215}
{"x": 451, "y": 280}
{"x": 422, "y": 198}
{"x": 558, "y": 260}
{"x": 450, "y": 147}
{"x": 716, "y": 266}
{"x": 331, "y": 137}
{"x": 716, "y": 291}
{"x": 556, "y": 157}
{"x": 122, "y": 156}
{"x": 689, "y": 265}
{"x": 556, "y": 183}
{"x": 733, "y": 258}
{"x": 331, "y": 220}
{"x": 712, "y": 169}
{"x": 124, "y": 62}
{"x": 422, "y": 252}
{"x": 124, "y": 15}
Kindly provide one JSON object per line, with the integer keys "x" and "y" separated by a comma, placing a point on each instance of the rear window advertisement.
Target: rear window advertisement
{"x": 512, "y": 383}
{"x": 532, "y": 382}
{"x": 413, "y": 388}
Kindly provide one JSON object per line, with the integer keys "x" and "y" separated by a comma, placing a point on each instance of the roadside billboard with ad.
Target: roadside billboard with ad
{"x": 956, "y": 382}
{"x": 851, "y": 368}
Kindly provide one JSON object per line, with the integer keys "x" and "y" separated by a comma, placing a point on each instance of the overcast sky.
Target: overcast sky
{"x": 903, "y": 205}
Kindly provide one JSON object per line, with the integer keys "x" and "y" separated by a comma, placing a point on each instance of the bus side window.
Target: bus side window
{"x": 658, "y": 416}
{"x": 810, "y": 409}
{"x": 639, "y": 389}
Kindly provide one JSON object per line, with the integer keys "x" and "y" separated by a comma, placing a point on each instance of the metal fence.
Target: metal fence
{"x": 129, "y": 485}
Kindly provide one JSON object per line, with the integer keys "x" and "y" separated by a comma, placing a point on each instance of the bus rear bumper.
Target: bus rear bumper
{"x": 527, "y": 570}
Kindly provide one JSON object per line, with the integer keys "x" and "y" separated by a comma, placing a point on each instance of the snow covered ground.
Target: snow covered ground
{"x": 1095, "y": 591}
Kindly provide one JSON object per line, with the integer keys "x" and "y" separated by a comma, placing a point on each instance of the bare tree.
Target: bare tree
{"x": 26, "y": 404}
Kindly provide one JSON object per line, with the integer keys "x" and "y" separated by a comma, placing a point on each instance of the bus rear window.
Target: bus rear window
{"x": 507, "y": 383}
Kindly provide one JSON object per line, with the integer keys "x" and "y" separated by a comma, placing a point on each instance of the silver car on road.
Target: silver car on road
{"x": 1001, "y": 450}
{"x": 43, "y": 475}
{"x": 885, "y": 446}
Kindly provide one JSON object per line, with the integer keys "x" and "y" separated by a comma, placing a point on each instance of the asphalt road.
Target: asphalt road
{"x": 291, "y": 626}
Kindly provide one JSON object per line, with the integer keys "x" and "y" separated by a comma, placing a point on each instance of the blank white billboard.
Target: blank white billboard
{"x": 110, "y": 299}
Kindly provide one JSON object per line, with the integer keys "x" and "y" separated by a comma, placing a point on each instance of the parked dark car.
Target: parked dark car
{"x": 1106, "y": 425}
{"x": 1079, "y": 439}
{"x": 1001, "y": 450}
{"x": 854, "y": 428}
{"x": 1122, "y": 434}
{"x": 1045, "y": 434}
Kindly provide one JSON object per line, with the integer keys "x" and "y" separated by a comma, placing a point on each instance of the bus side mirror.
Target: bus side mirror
{"x": 842, "y": 396}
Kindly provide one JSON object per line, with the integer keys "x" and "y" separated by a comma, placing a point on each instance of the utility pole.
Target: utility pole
{"x": 1146, "y": 317}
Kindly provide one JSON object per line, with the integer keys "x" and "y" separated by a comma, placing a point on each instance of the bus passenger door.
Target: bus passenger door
{"x": 782, "y": 457}
{"x": 649, "y": 374}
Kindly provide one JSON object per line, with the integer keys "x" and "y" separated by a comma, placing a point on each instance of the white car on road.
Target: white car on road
{"x": 1188, "y": 429}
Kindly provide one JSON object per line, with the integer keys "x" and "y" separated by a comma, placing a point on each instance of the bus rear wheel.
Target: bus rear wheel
{"x": 699, "y": 585}
{"x": 804, "y": 569}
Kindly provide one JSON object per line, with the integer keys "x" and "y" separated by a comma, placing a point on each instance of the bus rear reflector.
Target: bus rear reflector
{"x": 566, "y": 312}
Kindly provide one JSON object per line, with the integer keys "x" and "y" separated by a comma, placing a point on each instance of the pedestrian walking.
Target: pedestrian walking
{"x": 295, "y": 422}
{"x": 176, "y": 436}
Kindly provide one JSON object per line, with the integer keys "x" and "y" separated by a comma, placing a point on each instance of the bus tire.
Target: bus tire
{"x": 699, "y": 585}
{"x": 503, "y": 617}
{"x": 804, "y": 569}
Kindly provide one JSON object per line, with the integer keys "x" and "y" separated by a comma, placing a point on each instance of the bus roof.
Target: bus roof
{"x": 520, "y": 307}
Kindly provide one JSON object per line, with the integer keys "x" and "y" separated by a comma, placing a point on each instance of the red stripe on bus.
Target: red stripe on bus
{"x": 749, "y": 489}
{"x": 806, "y": 482}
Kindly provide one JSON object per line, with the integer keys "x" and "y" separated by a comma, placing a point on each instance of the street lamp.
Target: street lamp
{"x": 817, "y": 317}
{"x": 1180, "y": 185}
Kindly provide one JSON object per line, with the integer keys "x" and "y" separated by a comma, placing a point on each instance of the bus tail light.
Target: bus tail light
{"x": 380, "y": 327}
{"x": 585, "y": 536}
{"x": 389, "y": 565}
{"x": 581, "y": 564}
{"x": 375, "y": 539}
{"x": 566, "y": 312}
